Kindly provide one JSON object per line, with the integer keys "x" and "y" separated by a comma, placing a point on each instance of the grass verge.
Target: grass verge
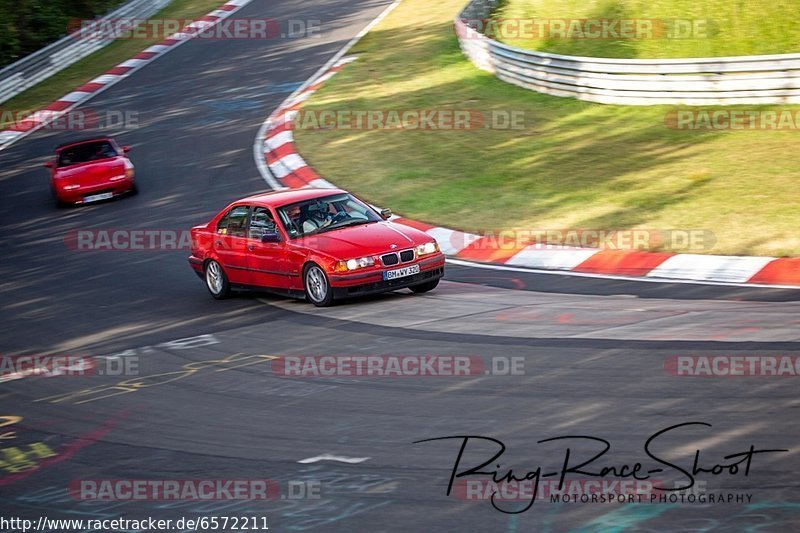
{"x": 573, "y": 165}
{"x": 680, "y": 28}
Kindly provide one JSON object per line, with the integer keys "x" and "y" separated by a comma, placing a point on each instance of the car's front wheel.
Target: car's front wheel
{"x": 317, "y": 287}
{"x": 217, "y": 281}
{"x": 424, "y": 287}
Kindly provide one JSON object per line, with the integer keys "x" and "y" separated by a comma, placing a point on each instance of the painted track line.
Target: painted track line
{"x": 258, "y": 144}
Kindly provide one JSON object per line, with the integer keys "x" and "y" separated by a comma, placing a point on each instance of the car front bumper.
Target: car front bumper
{"x": 349, "y": 286}
{"x": 77, "y": 196}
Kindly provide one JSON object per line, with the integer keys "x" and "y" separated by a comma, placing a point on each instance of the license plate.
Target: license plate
{"x": 98, "y": 197}
{"x": 401, "y": 272}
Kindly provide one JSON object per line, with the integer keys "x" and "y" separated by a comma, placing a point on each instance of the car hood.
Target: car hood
{"x": 93, "y": 172}
{"x": 367, "y": 239}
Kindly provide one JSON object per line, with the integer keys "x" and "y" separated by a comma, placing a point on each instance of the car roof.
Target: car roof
{"x": 83, "y": 141}
{"x": 286, "y": 197}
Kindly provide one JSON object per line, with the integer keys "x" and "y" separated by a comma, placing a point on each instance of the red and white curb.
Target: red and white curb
{"x": 91, "y": 89}
{"x": 283, "y": 167}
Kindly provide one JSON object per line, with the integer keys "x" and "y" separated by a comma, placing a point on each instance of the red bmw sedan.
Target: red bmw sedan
{"x": 321, "y": 244}
{"x": 89, "y": 171}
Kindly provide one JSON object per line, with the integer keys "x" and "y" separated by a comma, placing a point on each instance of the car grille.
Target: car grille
{"x": 406, "y": 256}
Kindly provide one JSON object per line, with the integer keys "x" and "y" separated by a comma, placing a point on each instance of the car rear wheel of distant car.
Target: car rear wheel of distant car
{"x": 424, "y": 287}
{"x": 317, "y": 287}
{"x": 57, "y": 201}
{"x": 217, "y": 281}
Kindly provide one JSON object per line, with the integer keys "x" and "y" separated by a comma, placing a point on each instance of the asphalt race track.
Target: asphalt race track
{"x": 208, "y": 401}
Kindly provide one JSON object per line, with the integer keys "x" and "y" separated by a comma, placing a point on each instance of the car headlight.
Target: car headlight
{"x": 354, "y": 264}
{"x": 427, "y": 248}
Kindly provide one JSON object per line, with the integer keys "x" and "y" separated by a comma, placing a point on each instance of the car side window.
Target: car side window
{"x": 261, "y": 222}
{"x": 234, "y": 222}
{"x": 291, "y": 221}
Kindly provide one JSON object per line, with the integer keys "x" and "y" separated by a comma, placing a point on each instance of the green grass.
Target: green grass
{"x": 101, "y": 61}
{"x": 574, "y": 165}
{"x": 733, "y": 27}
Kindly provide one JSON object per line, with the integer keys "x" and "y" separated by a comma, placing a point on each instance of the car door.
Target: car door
{"x": 266, "y": 260}
{"x": 230, "y": 244}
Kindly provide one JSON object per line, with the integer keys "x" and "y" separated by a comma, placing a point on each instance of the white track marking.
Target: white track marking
{"x": 487, "y": 266}
{"x": 258, "y": 145}
{"x": 329, "y": 457}
{"x": 710, "y": 267}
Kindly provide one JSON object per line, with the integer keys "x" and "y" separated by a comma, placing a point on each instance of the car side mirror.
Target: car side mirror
{"x": 386, "y": 213}
{"x": 49, "y": 164}
{"x": 126, "y": 149}
{"x": 271, "y": 236}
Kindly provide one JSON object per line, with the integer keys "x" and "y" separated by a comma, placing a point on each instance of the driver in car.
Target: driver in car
{"x": 104, "y": 151}
{"x": 315, "y": 216}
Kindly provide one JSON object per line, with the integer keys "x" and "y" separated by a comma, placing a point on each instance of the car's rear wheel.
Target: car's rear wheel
{"x": 217, "y": 281}
{"x": 317, "y": 287}
{"x": 424, "y": 287}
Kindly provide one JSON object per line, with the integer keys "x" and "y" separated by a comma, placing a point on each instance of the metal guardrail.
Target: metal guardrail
{"x": 769, "y": 79}
{"x": 40, "y": 65}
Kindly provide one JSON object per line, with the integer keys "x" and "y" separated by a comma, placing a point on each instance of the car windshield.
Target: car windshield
{"x": 325, "y": 214}
{"x": 86, "y": 152}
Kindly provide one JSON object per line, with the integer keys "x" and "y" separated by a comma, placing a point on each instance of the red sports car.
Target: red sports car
{"x": 324, "y": 244}
{"x": 89, "y": 171}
